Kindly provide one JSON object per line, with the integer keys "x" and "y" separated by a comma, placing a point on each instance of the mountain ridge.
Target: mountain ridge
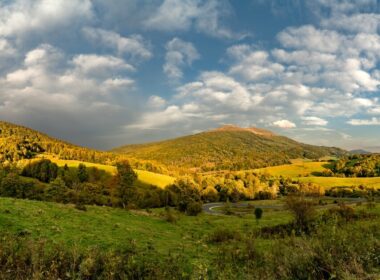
{"x": 227, "y": 147}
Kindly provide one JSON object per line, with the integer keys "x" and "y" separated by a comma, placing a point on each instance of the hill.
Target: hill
{"x": 360, "y": 152}
{"x": 19, "y": 142}
{"x": 228, "y": 147}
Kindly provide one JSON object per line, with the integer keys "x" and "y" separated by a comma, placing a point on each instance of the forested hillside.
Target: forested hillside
{"x": 365, "y": 165}
{"x": 227, "y": 148}
{"x": 18, "y": 142}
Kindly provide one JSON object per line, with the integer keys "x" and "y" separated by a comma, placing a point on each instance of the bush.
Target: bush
{"x": 258, "y": 213}
{"x": 80, "y": 207}
{"x": 221, "y": 235}
{"x": 194, "y": 208}
{"x": 303, "y": 212}
{"x": 170, "y": 216}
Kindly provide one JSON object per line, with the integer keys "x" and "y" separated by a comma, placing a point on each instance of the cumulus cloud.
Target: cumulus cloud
{"x": 181, "y": 15}
{"x": 284, "y": 124}
{"x": 100, "y": 64}
{"x": 251, "y": 64}
{"x": 134, "y": 46}
{"x": 314, "y": 121}
{"x": 18, "y": 18}
{"x": 366, "y": 122}
{"x": 178, "y": 55}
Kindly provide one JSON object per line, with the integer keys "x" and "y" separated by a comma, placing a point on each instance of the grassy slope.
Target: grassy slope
{"x": 303, "y": 171}
{"x": 114, "y": 228}
{"x": 225, "y": 150}
{"x": 145, "y": 177}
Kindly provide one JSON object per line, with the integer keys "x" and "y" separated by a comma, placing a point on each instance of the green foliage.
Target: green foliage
{"x": 357, "y": 166}
{"x": 225, "y": 150}
{"x": 258, "y": 213}
{"x": 43, "y": 170}
{"x": 82, "y": 173}
{"x": 303, "y": 212}
{"x": 126, "y": 178}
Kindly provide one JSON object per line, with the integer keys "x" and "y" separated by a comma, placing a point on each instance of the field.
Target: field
{"x": 305, "y": 171}
{"x": 110, "y": 228}
{"x": 145, "y": 177}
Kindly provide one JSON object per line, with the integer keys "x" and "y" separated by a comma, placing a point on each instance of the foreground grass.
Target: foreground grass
{"x": 109, "y": 228}
{"x": 52, "y": 241}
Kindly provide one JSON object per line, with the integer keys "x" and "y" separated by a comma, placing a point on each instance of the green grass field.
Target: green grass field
{"x": 106, "y": 227}
{"x": 297, "y": 169}
{"x": 145, "y": 177}
{"x": 305, "y": 172}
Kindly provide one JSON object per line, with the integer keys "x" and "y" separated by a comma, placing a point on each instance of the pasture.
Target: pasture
{"x": 145, "y": 177}
{"x": 307, "y": 171}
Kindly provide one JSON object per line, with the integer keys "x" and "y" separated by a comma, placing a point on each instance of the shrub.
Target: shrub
{"x": 194, "y": 208}
{"x": 221, "y": 235}
{"x": 303, "y": 212}
{"x": 81, "y": 207}
{"x": 170, "y": 216}
{"x": 258, "y": 213}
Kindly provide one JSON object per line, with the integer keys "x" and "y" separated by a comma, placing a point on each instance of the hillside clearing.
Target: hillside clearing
{"x": 146, "y": 177}
{"x": 304, "y": 170}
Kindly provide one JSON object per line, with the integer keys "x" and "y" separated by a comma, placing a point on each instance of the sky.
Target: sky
{"x": 103, "y": 73}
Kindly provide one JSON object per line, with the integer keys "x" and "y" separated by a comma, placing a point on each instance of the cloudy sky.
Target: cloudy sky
{"x": 102, "y": 73}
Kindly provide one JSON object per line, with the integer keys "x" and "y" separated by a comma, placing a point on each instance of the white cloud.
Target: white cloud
{"x": 284, "y": 124}
{"x": 310, "y": 38}
{"x": 6, "y": 49}
{"x": 366, "y": 122}
{"x": 93, "y": 64}
{"x": 48, "y": 91}
{"x": 252, "y": 64}
{"x": 134, "y": 46}
{"x": 182, "y": 15}
{"x": 178, "y": 55}
{"x": 157, "y": 102}
{"x": 366, "y": 23}
{"x": 20, "y": 17}
{"x": 314, "y": 121}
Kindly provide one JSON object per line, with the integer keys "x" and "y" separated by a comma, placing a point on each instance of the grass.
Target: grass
{"x": 296, "y": 169}
{"x": 145, "y": 177}
{"x": 305, "y": 171}
{"x": 111, "y": 228}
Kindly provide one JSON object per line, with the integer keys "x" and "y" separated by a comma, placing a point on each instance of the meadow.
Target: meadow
{"x": 112, "y": 228}
{"x": 41, "y": 240}
{"x": 145, "y": 177}
{"x": 306, "y": 171}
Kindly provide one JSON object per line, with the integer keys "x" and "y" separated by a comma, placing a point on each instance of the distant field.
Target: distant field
{"x": 304, "y": 170}
{"x": 338, "y": 182}
{"x": 145, "y": 177}
{"x": 297, "y": 169}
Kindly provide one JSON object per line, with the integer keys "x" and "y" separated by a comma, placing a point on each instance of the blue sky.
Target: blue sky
{"x": 106, "y": 73}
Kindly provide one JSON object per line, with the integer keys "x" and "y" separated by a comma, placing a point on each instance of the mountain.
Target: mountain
{"x": 359, "y": 152}
{"x": 228, "y": 147}
{"x": 19, "y": 142}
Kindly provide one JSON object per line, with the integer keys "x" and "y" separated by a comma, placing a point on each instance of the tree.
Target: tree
{"x": 43, "y": 170}
{"x": 82, "y": 173}
{"x": 126, "y": 178}
{"x": 303, "y": 212}
{"x": 258, "y": 214}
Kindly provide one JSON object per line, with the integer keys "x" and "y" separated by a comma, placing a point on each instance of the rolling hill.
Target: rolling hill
{"x": 19, "y": 142}
{"x": 228, "y": 147}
